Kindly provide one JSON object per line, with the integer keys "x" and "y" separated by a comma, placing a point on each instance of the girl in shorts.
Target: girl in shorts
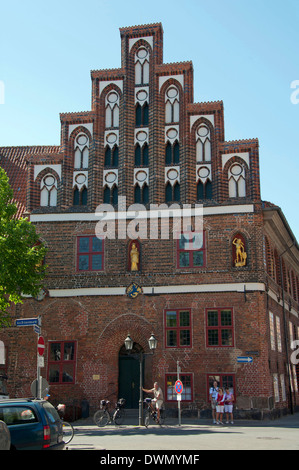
{"x": 220, "y": 406}
{"x": 228, "y": 405}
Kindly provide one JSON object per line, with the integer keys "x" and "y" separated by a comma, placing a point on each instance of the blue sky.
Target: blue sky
{"x": 244, "y": 52}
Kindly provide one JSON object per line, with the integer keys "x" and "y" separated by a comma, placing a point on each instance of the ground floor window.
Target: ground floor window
{"x": 62, "y": 361}
{"x": 187, "y": 381}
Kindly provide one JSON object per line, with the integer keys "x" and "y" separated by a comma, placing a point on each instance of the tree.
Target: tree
{"x": 22, "y": 267}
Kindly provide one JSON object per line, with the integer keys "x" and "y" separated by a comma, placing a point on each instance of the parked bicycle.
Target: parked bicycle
{"x": 104, "y": 415}
{"x": 67, "y": 428}
{"x": 151, "y": 413}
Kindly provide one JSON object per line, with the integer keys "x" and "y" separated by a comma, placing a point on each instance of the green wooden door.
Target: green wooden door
{"x": 128, "y": 383}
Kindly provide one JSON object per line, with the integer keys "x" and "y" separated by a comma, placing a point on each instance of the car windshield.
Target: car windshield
{"x": 51, "y": 412}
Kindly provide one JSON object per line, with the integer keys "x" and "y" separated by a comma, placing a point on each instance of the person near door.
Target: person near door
{"x": 158, "y": 398}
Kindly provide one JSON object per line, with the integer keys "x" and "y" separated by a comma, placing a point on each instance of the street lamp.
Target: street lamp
{"x": 152, "y": 342}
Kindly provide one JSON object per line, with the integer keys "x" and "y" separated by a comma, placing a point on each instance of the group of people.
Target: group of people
{"x": 222, "y": 402}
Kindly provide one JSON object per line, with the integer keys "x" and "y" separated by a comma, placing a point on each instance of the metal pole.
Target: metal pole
{"x": 179, "y": 401}
{"x": 38, "y": 384}
{"x": 140, "y": 390}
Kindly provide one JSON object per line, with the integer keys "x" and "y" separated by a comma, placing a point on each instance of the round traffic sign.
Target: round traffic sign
{"x": 178, "y": 386}
{"x": 41, "y": 346}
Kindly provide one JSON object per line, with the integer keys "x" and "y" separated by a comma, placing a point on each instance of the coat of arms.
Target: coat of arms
{"x": 133, "y": 290}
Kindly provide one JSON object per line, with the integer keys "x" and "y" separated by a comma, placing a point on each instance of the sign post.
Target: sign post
{"x": 36, "y": 323}
{"x": 178, "y": 386}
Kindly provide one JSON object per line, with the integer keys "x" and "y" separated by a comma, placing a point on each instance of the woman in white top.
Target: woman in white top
{"x": 228, "y": 405}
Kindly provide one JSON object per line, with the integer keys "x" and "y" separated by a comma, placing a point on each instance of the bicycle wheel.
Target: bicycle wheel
{"x": 162, "y": 417}
{"x": 68, "y": 432}
{"x": 119, "y": 417}
{"x": 101, "y": 418}
{"x": 147, "y": 418}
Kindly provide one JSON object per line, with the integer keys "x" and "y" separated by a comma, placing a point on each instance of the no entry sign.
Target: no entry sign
{"x": 41, "y": 346}
{"x": 178, "y": 387}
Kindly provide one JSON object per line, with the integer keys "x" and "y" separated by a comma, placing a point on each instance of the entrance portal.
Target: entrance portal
{"x": 129, "y": 375}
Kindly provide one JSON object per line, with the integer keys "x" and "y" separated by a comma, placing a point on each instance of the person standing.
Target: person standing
{"x": 220, "y": 406}
{"x": 213, "y": 394}
{"x": 228, "y": 405}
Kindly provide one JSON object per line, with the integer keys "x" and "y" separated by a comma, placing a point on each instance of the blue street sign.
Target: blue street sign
{"x": 245, "y": 359}
{"x": 27, "y": 322}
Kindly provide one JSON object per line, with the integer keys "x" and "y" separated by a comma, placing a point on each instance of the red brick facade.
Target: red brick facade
{"x": 146, "y": 140}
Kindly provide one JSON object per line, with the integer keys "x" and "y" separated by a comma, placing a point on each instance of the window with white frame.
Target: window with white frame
{"x": 236, "y": 181}
{"x": 112, "y": 110}
{"x": 48, "y": 191}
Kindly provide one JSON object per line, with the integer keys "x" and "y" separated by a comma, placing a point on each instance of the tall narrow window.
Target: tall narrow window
{"x": 142, "y": 66}
{"x": 62, "y": 362}
{"x": 178, "y": 328}
{"x": 48, "y": 194}
{"x": 111, "y": 195}
{"x": 81, "y": 152}
{"x": 172, "y": 105}
{"x": 141, "y": 194}
{"x": 111, "y": 156}
{"x": 219, "y": 327}
{"x": 172, "y": 193}
{"x": 141, "y": 115}
{"x": 141, "y": 155}
{"x": 236, "y": 181}
{"x": 203, "y": 144}
{"x": 112, "y": 110}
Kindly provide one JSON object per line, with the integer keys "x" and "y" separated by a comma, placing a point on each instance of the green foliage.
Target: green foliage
{"x": 21, "y": 254}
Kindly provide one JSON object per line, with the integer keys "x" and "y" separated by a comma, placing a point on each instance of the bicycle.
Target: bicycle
{"x": 67, "y": 428}
{"x": 152, "y": 413}
{"x": 104, "y": 416}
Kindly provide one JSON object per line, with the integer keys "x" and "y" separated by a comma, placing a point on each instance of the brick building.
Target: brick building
{"x": 231, "y": 293}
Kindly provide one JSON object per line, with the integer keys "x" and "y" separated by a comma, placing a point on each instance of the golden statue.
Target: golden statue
{"x": 241, "y": 255}
{"x": 134, "y": 257}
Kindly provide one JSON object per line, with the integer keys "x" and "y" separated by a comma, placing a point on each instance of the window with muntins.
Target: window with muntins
{"x": 90, "y": 254}
{"x": 178, "y": 331}
{"x": 219, "y": 322}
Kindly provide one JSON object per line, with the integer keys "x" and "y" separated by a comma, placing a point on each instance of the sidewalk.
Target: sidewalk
{"x": 289, "y": 421}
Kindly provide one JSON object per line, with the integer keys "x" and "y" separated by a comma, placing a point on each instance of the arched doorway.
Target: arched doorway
{"x": 129, "y": 375}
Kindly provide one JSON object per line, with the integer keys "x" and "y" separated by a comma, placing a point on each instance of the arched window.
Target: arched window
{"x": 141, "y": 194}
{"x": 236, "y": 181}
{"x": 204, "y": 190}
{"x": 80, "y": 196}
{"x": 172, "y": 193}
{"x": 142, "y": 115}
{"x": 141, "y": 155}
{"x": 203, "y": 144}
{"x": 111, "y": 156}
{"x": 81, "y": 152}
{"x": 112, "y": 110}
{"x": 142, "y": 66}
{"x": 111, "y": 195}
{"x": 172, "y": 153}
{"x": 172, "y": 105}
{"x": 48, "y": 193}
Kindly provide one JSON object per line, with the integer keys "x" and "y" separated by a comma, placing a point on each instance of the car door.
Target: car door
{"x": 25, "y": 426}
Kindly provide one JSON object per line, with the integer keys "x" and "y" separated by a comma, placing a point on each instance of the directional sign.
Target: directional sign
{"x": 41, "y": 346}
{"x": 27, "y": 322}
{"x": 178, "y": 386}
{"x": 244, "y": 359}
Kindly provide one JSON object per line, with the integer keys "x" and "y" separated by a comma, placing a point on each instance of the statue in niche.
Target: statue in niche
{"x": 241, "y": 255}
{"x": 134, "y": 257}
